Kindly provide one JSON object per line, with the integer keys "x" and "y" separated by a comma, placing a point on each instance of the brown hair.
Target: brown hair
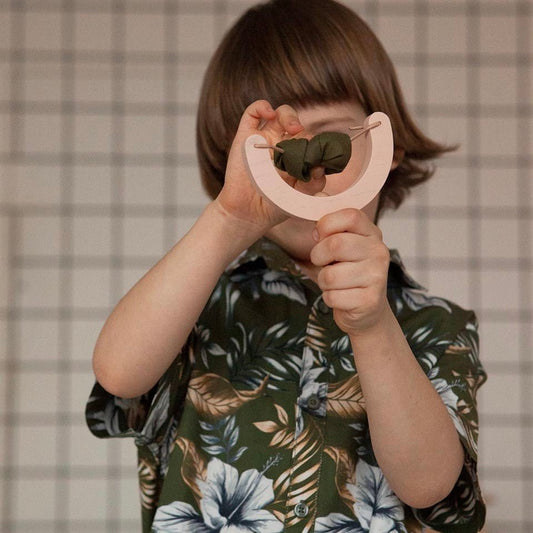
{"x": 305, "y": 53}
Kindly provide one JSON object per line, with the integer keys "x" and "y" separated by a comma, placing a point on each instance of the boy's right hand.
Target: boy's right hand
{"x": 239, "y": 198}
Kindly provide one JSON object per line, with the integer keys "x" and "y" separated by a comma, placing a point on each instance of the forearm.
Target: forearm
{"x": 149, "y": 326}
{"x": 413, "y": 436}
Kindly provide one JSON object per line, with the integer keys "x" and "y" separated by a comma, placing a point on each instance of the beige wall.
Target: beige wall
{"x": 98, "y": 179}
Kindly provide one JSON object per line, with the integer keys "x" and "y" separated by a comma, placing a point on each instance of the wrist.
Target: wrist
{"x": 383, "y": 346}
{"x": 229, "y": 231}
{"x": 382, "y": 330}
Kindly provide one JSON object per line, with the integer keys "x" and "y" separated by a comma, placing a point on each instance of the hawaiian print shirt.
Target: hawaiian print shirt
{"x": 260, "y": 425}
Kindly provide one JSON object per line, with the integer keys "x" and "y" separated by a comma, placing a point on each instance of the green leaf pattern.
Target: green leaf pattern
{"x": 263, "y": 411}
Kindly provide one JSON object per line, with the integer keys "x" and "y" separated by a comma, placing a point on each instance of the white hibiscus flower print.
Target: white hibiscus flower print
{"x": 417, "y": 299}
{"x": 377, "y": 508}
{"x": 229, "y": 504}
{"x": 309, "y": 386}
{"x": 450, "y": 400}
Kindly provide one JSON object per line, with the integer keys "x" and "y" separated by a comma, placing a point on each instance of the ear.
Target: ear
{"x": 397, "y": 158}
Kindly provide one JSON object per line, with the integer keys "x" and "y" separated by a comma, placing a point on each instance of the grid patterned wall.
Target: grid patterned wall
{"x": 98, "y": 179}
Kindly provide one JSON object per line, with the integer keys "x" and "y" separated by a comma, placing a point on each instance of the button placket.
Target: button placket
{"x": 311, "y": 414}
{"x": 314, "y": 378}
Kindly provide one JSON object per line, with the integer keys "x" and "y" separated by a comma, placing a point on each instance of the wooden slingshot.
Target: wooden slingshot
{"x": 375, "y": 169}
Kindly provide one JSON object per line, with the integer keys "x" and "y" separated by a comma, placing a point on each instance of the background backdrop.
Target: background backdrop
{"x": 98, "y": 180}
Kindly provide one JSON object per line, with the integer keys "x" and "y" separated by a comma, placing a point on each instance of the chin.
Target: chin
{"x": 295, "y": 236}
{"x": 300, "y": 251}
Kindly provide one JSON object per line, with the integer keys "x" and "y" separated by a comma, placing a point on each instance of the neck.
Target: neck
{"x": 310, "y": 270}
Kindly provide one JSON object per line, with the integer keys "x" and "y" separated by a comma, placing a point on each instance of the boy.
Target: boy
{"x": 316, "y": 387}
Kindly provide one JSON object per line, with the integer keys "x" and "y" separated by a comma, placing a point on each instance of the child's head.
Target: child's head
{"x": 305, "y": 53}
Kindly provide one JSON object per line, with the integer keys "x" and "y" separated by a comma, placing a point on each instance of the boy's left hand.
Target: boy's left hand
{"x": 355, "y": 265}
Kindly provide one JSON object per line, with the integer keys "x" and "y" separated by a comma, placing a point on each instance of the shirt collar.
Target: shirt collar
{"x": 268, "y": 254}
{"x": 273, "y": 256}
{"x": 398, "y": 275}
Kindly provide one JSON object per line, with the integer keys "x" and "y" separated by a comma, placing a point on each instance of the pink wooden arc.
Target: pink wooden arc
{"x": 375, "y": 169}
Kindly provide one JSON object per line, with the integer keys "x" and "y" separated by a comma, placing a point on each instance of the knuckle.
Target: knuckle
{"x": 328, "y": 276}
{"x": 314, "y": 256}
{"x": 354, "y": 217}
{"x": 322, "y": 226}
{"x": 384, "y": 255}
{"x": 380, "y": 252}
{"x": 329, "y": 298}
{"x": 335, "y": 244}
{"x": 257, "y": 104}
{"x": 286, "y": 114}
{"x": 285, "y": 108}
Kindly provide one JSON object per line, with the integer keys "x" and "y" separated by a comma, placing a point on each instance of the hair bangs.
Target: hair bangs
{"x": 319, "y": 69}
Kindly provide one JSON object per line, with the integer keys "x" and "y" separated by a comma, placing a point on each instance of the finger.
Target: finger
{"x": 256, "y": 114}
{"x": 351, "y": 220}
{"x": 313, "y": 187}
{"x": 288, "y": 119}
{"x": 340, "y": 247}
{"x": 345, "y": 275}
{"x": 317, "y": 173}
{"x": 284, "y": 122}
{"x": 347, "y": 299}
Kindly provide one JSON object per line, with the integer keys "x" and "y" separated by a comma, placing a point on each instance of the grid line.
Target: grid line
{"x": 63, "y": 452}
{"x": 525, "y": 140}
{"x": 116, "y": 264}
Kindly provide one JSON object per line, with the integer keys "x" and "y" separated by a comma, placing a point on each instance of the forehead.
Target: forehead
{"x": 323, "y": 115}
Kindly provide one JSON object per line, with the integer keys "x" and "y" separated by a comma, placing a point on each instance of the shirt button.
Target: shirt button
{"x": 301, "y": 510}
{"x": 313, "y": 402}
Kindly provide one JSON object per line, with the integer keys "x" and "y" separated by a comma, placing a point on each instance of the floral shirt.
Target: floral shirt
{"x": 260, "y": 424}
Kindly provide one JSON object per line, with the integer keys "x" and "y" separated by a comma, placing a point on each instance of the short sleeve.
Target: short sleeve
{"x": 456, "y": 376}
{"x": 145, "y": 417}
